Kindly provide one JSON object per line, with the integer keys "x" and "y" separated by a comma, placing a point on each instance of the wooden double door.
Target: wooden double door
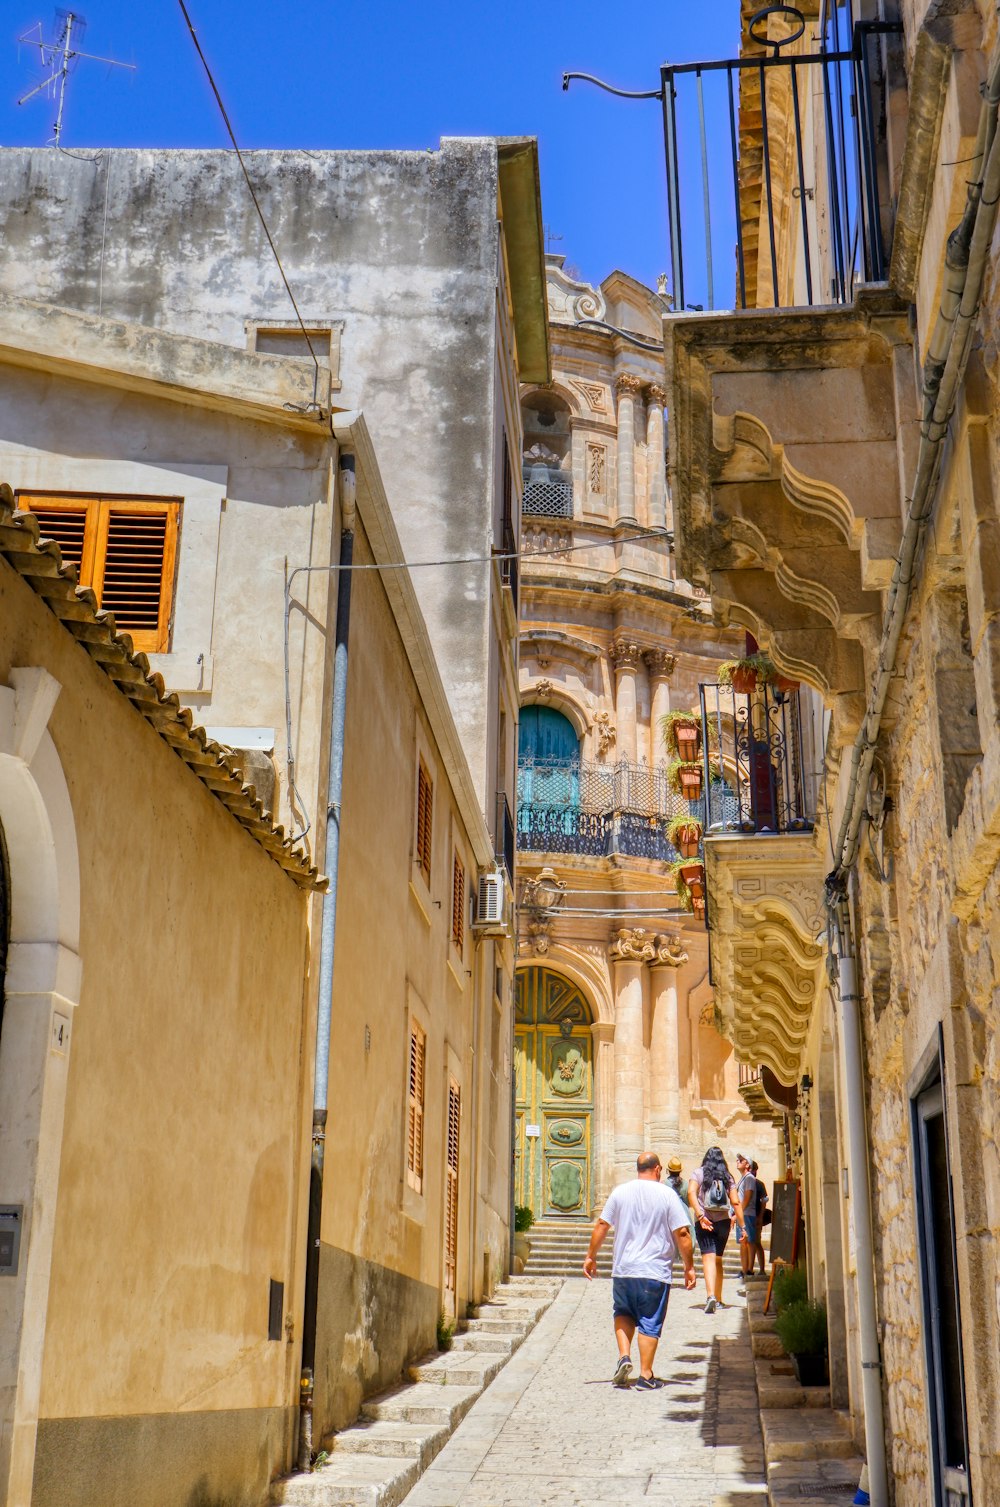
{"x": 555, "y": 1096}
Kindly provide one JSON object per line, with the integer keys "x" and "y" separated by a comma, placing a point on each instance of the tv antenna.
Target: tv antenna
{"x": 59, "y": 56}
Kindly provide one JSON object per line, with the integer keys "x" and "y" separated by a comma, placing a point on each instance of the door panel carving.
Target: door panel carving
{"x": 555, "y": 1095}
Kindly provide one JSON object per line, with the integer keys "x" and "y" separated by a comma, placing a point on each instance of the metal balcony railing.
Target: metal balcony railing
{"x": 548, "y": 498}
{"x": 757, "y": 741}
{"x": 597, "y": 809}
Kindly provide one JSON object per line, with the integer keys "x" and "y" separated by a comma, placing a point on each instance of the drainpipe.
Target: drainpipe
{"x": 861, "y": 1207}
{"x": 335, "y": 784}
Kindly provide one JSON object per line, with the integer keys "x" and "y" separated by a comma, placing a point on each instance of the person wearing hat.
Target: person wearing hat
{"x": 676, "y": 1181}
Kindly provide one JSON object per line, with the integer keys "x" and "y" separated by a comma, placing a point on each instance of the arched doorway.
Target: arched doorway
{"x": 555, "y": 1096}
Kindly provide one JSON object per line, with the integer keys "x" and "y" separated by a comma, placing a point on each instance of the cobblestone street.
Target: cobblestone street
{"x": 551, "y": 1431}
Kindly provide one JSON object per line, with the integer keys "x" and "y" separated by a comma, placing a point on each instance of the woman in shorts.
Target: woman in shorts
{"x": 714, "y": 1204}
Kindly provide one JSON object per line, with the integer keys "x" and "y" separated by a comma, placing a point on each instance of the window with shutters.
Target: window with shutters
{"x": 124, "y": 548}
{"x": 415, "y": 1108}
{"x": 451, "y": 1191}
{"x": 425, "y": 819}
{"x": 458, "y": 903}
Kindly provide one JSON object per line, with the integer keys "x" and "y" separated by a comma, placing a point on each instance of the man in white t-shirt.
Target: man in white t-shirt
{"x": 650, "y": 1223}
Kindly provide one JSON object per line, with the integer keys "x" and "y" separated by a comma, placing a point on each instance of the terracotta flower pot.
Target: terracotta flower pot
{"x": 686, "y": 736}
{"x": 689, "y": 848}
{"x": 693, "y": 875}
{"x": 744, "y": 680}
{"x": 690, "y": 783}
{"x": 783, "y": 684}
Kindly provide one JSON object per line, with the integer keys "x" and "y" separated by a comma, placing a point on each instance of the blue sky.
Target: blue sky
{"x": 401, "y": 75}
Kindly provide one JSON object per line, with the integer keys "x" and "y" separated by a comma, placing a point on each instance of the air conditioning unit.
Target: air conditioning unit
{"x": 492, "y": 917}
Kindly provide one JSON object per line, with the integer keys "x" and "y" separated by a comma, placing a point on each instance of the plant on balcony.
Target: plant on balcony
{"x": 682, "y": 733}
{"x": 746, "y": 674}
{"x": 684, "y": 777}
{"x": 684, "y": 833}
{"x": 801, "y": 1328}
{"x": 689, "y": 878}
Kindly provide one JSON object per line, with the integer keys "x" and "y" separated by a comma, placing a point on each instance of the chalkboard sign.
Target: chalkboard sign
{"x": 786, "y": 1210}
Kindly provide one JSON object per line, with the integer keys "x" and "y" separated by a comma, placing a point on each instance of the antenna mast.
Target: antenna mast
{"x": 58, "y": 56}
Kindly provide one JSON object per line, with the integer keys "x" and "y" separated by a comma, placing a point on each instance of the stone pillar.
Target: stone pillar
{"x": 664, "y": 1046}
{"x": 602, "y": 1155}
{"x": 628, "y": 952}
{"x": 660, "y": 667}
{"x": 627, "y": 387}
{"x": 625, "y": 656}
{"x": 656, "y": 468}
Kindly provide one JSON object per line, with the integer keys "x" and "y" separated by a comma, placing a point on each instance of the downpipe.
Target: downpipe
{"x": 335, "y": 785}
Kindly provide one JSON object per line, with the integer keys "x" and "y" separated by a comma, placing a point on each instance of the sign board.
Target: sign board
{"x": 10, "y": 1238}
{"x": 786, "y": 1215}
{"x": 533, "y": 1130}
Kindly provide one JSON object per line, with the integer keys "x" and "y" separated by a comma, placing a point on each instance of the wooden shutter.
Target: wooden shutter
{"x": 458, "y": 903}
{"x": 451, "y": 1191}
{"x": 125, "y": 549}
{"x": 415, "y": 1108}
{"x": 425, "y": 817}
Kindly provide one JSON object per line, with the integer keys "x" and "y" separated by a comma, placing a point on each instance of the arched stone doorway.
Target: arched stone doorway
{"x": 554, "y": 1063}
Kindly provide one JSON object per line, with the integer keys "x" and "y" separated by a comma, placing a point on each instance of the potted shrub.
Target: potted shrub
{"x": 682, "y": 732}
{"x": 523, "y": 1220}
{"x": 791, "y": 1285}
{"x": 684, "y": 833}
{"x": 684, "y": 777}
{"x": 746, "y": 674}
{"x": 801, "y": 1328}
{"x": 689, "y": 877}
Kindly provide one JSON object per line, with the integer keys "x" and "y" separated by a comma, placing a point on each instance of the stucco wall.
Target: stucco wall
{"x": 402, "y": 246}
{"x": 181, "y": 1150}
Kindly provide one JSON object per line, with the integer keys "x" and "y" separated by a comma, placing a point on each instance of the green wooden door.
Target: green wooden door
{"x": 555, "y": 1096}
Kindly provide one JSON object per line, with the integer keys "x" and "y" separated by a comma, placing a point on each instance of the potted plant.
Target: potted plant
{"x": 523, "y": 1220}
{"x": 684, "y": 777}
{"x": 801, "y": 1328}
{"x": 746, "y": 674}
{"x": 689, "y": 877}
{"x": 684, "y": 833}
{"x": 791, "y": 1285}
{"x": 682, "y": 732}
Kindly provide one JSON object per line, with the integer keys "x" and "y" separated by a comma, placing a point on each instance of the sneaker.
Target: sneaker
{"x": 711, "y": 1305}
{"x": 623, "y": 1373}
{"x": 649, "y": 1384}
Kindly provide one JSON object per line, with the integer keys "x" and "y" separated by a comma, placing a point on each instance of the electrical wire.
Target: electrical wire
{"x": 253, "y": 195}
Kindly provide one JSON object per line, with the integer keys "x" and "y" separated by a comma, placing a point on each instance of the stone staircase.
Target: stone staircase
{"x": 558, "y": 1247}
{"x": 377, "y": 1461}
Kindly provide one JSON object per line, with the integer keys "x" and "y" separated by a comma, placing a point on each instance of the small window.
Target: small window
{"x": 415, "y": 1108}
{"x": 425, "y": 818}
{"x": 458, "y": 903}
{"x": 451, "y": 1191}
{"x": 125, "y": 549}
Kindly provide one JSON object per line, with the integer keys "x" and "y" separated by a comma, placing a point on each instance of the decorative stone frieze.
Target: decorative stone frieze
{"x": 632, "y": 945}
{"x": 604, "y": 727}
{"x": 660, "y": 663}
{"x": 668, "y": 951}
{"x": 625, "y": 654}
{"x": 626, "y": 383}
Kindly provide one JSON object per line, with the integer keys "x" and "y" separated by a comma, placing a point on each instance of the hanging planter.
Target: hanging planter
{"x": 682, "y": 733}
{"x": 783, "y": 683}
{"x": 684, "y": 777}
{"x": 746, "y": 674}
{"x": 689, "y": 878}
{"x": 684, "y": 833}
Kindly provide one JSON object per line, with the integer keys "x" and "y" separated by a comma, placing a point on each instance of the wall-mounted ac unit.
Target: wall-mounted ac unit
{"x": 492, "y": 919}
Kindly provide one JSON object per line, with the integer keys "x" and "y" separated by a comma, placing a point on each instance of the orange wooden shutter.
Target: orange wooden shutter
{"x": 458, "y": 903}
{"x": 425, "y": 817}
{"x": 451, "y": 1192}
{"x": 415, "y": 1109}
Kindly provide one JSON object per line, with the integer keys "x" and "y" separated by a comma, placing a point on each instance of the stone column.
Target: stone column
{"x": 664, "y": 1046}
{"x": 628, "y": 952}
{"x": 625, "y": 656}
{"x": 602, "y": 1156}
{"x": 656, "y": 468}
{"x": 627, "y": 387}
{"x": 660, "y": 667}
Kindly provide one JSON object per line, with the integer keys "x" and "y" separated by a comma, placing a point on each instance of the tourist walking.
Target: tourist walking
{"x": 650, "y": 1224}
{"x": 713, "y": 1201}
{"x": 763, "y": 1217}
{"x": 679, "y": 1183}
{"x": 746, "y": 1194}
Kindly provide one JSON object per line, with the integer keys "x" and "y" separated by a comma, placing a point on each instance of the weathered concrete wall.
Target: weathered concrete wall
{"x": 402, "y": 246}
{"x": 181, "y": 1163}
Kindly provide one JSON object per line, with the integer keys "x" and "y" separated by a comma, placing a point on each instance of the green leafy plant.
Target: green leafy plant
{"x": 675, "y": 768}
{"x": 320, "y": 1458}
{"x": 523, "y": 1219}
{"x": 791, "y": 1285}
{"x": 671, "y": 721}
{"x": 684, "y": 899}
{"x": 684, "y": 829}
{"x": 801, "y": 1327}
{"x": 445, "y": 1331}
{"x": 755, "y": 668}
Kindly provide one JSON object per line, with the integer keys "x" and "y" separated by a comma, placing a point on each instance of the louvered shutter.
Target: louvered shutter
{"x": 425, "y": 817}
{"x": 415, "y": 1109}
{"x": 458, "y": 903}
{"x": 451, "y": 1192}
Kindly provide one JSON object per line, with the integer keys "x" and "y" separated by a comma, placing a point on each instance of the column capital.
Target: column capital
{"x": 627, "y": 385}
{"x": 668, "y": 951}
{"x": 602, "y": 1030}
{"x": 660, "y": 663}
{"x": 625, "y": 654}
{"x": 631, "y": 945}
{"x": 656, "y": 397}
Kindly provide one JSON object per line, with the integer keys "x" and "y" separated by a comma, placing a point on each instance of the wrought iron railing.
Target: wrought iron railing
{"x": 788, "y": 146}
{"x": 756, "y": 739}
{"x": 748, "y": 1074}
{"x": 598, "y": 809}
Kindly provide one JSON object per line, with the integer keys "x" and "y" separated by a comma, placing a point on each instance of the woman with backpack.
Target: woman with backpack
{"x": 714, "y": 1204}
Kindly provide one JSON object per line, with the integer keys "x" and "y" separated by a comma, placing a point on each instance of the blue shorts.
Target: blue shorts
{"x": 641, "y": 1300}
{"x": 750, "y": 1221}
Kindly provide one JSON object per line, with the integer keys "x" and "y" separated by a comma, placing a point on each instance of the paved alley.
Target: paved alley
{"x": 551, "y": 1431}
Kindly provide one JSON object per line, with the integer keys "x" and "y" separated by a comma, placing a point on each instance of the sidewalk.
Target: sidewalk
{"x": 552, "y": 1432}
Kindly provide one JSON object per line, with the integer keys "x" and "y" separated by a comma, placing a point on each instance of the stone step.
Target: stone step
{"x": 766, "y": 1345}
{"x": 805, "y": 1434}
{"x": 459, "y": 1368}
{"x": 522, "y": 1309}
{"x": 408, "y": 1441}
{"x": 487, "y": 1344}
{"x": 812, "y": 1483}
{"x": 350, "y": 1481}
{"x": 422, "y": 1402}
{"x": 493, "y": 1326}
